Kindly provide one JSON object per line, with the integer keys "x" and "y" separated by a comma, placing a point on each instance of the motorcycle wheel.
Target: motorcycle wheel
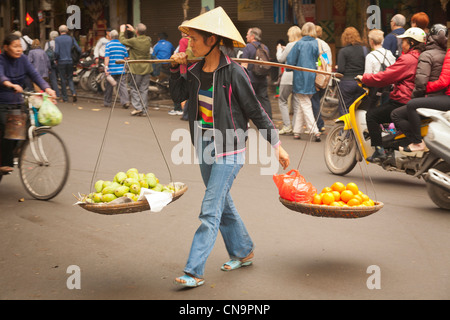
{"x": 438, "y": 195}
{"x": 340, "y": 150}
{"x": 84, "y": 82}
{"x": 92, "y": 80}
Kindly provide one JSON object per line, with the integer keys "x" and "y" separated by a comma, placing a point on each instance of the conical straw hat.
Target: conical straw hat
{"x": 217, "y": 22}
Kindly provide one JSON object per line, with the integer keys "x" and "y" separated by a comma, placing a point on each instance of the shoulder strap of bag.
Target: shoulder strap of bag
{"x": 320, "y": 47}
{"x": 375, "y": 56}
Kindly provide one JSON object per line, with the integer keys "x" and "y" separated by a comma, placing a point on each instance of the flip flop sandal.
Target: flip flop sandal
{"x": 189, "y": 281}
{"x": 6, "y": 169}
{"x": 235, "y": 264}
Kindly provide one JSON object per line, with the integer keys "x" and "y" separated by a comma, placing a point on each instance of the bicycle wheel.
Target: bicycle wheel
{"x": 44, "y": 165}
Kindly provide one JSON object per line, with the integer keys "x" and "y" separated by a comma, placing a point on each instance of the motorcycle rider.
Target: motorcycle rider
{"x": 402, "y": 75}
{"x": 406, "y": 118}
{"x": 438, "y": 102}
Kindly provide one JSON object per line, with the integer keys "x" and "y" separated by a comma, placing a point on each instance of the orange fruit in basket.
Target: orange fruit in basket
{"x": 365, "y": 197}
{"x": 337, "y": 195}
{"x": 346, "y": 195}
{"x": 359, "y": 198}
{"x": 335, "y": 204}
{"x": 327, "y": 198}
{"x": 338, "y": 186}
{"x": 326, "y": 189}
{"x": 352, "y": 187}
{"x": 317, "y": 199}
{"x": 353, "y": 202}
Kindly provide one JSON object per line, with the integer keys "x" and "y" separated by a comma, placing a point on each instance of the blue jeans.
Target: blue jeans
{"x": 53, "y": 75}
{"x": 217, "y": 211}
{"x": 66, "y": 75}
{"x": 315, "y": 101}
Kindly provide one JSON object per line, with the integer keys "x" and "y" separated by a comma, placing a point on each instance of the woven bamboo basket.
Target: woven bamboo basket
{"x": 125, "y": 208}
{"x": 332, "y": 211}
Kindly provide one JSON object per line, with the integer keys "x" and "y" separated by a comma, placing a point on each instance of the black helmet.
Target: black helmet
{"x": 438, "y": 28}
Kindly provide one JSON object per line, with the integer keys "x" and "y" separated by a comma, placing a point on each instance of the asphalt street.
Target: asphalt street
{"x": 402, "y": 249}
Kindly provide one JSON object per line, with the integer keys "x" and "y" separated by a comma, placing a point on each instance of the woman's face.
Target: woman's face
{"x": 405, "y": 45}
{"x": 198, "y": 45}
{"x": 14, "y": 50}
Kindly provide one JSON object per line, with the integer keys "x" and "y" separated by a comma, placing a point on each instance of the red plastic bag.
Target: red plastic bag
{"x": 292, "y": 186}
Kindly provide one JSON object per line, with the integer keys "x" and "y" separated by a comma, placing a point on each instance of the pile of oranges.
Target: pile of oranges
{"x": 342, "y": 195}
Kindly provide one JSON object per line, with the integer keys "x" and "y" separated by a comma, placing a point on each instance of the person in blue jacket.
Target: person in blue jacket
{"x": 305, "y": 54}
{"x": 63, "y": 49}
{"x": 391, "y": 41}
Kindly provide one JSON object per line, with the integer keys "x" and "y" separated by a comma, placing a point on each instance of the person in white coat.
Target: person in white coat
{"x": 294, "y": 34}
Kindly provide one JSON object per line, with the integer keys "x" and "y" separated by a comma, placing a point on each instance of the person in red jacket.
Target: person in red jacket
{"x": 439, "y": 102}
{"x": 402, "y": 75}
{"x": 429, "y": 71}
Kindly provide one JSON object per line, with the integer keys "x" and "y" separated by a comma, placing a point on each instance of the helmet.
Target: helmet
{"x": 217, "y": 22}
{"x": 436, "y": 29}
{"x": 415, "y": 34}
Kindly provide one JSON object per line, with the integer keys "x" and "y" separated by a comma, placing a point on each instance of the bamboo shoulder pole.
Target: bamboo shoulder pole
{"x": 237, "y": 60}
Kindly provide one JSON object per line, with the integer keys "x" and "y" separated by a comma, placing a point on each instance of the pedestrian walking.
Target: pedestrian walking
{"x": 162, "y": 50}
{"x": 49, "y": 48}
{"x": 100, "y": 47}
{"x": 317, "y": 97}
{"x": 139, "y": 49}
{"x": 184, "y": 46}
{"x": 114, "y": 51}
{"x": 40, "y": 61}
{"x": 26, "y": 41}
{"x": 294, "y": 34}
{"x": 351, "y": 62}
{"x": 63, "y": 48}
{"x": 217, "y": 83}
{"x": 391, "y": 41}
{"x": 259, "y": 82}
{"x": 305, "y": 54}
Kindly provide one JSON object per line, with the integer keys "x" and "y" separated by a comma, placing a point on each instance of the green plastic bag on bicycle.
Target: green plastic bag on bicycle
{"x": 49, "y": 114}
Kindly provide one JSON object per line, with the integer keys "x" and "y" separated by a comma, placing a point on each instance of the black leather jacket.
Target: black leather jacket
{"x": 234, "y": 103}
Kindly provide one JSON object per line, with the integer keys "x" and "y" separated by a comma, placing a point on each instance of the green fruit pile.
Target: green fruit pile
{"x": 126, "y": 184}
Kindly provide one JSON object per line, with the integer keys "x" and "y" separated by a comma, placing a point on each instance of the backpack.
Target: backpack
{"x": 377, "y": 92}
{"x": 261, "y": 55}
{"x": 382, "y": 64}
{"x": 27, "y": 50}
{"x": 51, "y": 55}
{"x": 74, "y": 52}
{"x": 322, "y": 80}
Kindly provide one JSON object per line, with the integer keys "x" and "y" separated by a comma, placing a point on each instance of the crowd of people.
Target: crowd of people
{"x": 412, "y": 74}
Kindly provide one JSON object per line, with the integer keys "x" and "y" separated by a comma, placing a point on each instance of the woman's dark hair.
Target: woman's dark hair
{"x": 416, "y": 45}
{"x": 226, "y": 42}
{"x": 9, "y": 39}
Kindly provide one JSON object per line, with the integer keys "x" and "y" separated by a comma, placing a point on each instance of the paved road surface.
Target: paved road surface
{"x": 137, "y": 256}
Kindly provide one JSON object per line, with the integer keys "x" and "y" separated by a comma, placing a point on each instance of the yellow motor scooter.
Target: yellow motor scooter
{"x": 348, "y": 142}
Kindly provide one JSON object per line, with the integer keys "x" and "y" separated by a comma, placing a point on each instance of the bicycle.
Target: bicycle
{"x": 42, "y": 159}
